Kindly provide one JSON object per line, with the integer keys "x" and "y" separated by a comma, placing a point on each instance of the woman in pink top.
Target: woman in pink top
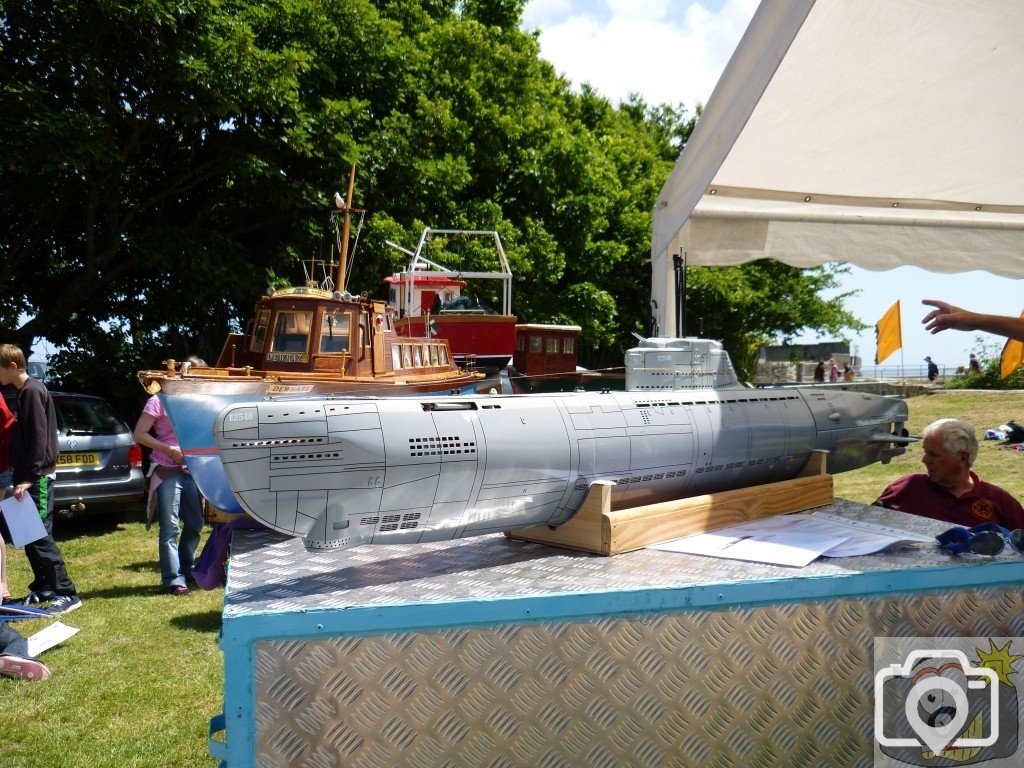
{"x": 180, "y": 505}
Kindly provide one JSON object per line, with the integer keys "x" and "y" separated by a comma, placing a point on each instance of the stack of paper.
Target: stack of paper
{"x": 793, "y": 540}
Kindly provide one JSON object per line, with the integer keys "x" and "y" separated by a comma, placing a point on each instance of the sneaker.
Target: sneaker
{"x": 179, "y": 590}
{"x": 26, "y": 669}
{"x": 64, "y": 603}
{"x": 32, "y": 598}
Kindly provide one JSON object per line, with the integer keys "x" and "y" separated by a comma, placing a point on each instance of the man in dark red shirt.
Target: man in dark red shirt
{"x": 949, "y": 490}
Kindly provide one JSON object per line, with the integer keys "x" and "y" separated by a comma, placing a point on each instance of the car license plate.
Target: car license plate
{"x": 78, "y": 460}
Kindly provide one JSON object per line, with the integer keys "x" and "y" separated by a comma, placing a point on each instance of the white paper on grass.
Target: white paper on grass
{"x": 23, "y": 520}
{"x": 45, "y": 639}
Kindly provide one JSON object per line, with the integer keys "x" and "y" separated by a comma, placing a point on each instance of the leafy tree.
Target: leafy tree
{"x": 165, "y": 161}
{"x": 137, "y": 142}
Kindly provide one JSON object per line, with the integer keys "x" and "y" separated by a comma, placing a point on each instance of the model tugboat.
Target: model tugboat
{"x": 317, "y": 340}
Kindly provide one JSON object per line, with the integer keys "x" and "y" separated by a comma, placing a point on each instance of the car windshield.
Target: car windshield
{"x": 87, "y": 417}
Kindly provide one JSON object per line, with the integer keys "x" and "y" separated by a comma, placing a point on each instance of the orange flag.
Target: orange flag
{"x": 1012, "y": 357}
{"x": 888, "y": 334}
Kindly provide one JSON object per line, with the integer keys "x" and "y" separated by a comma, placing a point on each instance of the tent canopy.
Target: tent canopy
{"x": 875, "y": 132}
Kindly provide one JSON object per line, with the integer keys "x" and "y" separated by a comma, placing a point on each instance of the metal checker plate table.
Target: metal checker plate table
{"x": 495, "y": 652}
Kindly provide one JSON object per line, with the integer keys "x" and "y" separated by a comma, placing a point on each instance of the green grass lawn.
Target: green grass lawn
{"x": 140, "y": 681}
{"x": 138, "y": 684}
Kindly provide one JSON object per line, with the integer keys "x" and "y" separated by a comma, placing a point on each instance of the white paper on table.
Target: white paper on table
{"x": 775, "y": 547}
{"x": 865, "y": 538}
{"x": 23, "y": 520}
{"x": 801, "y": 531}
{"x": 45, "y": 639}
{"x": 859, "y": 540}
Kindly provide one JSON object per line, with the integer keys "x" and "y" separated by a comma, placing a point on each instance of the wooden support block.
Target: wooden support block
{"x": 598, "y": 528}
{"x": 815, "y": 464}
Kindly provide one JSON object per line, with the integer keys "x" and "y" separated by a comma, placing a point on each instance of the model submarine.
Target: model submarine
{"x": 340, "y": 472}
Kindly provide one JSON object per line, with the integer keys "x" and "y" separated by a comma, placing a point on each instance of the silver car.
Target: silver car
{"x": 100, "y": 465}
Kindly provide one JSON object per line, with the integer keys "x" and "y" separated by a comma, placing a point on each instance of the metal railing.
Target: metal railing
{"x": 915, "y": 373}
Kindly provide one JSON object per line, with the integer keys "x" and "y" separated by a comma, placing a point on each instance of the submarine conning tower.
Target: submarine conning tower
{"x": 664, "y": 364}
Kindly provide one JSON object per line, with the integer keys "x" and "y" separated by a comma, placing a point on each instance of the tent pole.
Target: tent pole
{"x": 679, "y": 266}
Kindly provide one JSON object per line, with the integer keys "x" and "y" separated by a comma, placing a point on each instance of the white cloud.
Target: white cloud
{"x": 541, "y": 13}
{"x": 668, "y": 51}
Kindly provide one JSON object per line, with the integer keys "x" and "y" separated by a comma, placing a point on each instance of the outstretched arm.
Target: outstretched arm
{"x": 946, "y": 316}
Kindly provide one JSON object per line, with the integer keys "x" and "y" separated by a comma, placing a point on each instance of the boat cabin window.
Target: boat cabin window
{"x": 552, "y": 346}
{"x": 291, "y": 331}
{"x": 334, "y": 332}
{"x": 568, "y": 345}
{"x": 259, "y": 332}
{"x": 535, "y": 343}
{"x": 417, "y": 360}
{"x": 406, "y": 356}
{"x": 433, "y": 354}
{"x": 396, "y": 355}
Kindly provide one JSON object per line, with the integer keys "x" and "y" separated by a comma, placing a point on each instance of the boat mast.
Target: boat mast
{"x": 343, "y": 259}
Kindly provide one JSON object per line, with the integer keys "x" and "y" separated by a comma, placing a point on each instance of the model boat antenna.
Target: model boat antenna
{"x": 343, "y": 207}
{"x": 343, "y": 245}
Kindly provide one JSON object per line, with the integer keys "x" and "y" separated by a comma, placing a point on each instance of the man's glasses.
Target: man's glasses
{"x": 984, "y": 539}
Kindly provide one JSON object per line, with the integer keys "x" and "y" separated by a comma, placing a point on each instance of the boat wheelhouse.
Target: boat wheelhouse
{"x": 429, "y": 301}
{"x": 334, "y": 342}
{"x": 546, "y": 359}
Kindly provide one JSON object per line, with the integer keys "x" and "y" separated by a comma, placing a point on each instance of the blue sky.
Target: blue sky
{"x": 672, "y": 51}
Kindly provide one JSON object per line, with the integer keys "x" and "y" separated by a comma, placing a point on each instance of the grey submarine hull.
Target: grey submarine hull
{"x": 340, "y": 472}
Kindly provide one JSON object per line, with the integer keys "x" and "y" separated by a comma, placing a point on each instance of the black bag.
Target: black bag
{"x": 1014, "y": 432}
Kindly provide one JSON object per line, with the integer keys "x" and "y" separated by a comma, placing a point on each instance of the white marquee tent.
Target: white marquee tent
{"x": 875, "y": 132}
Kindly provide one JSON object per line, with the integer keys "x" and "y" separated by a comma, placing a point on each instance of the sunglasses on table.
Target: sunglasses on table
{"x": 984, "y": 539}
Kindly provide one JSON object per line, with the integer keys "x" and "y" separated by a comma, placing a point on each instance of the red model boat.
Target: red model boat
{"x": 430, "y": 304}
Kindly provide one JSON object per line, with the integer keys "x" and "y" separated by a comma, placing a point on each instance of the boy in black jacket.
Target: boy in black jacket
{"x": 32, "y": 454}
